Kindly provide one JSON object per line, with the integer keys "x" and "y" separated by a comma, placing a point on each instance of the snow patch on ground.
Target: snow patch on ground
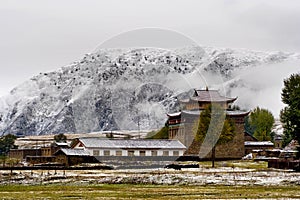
{"x": 201, "y": 176}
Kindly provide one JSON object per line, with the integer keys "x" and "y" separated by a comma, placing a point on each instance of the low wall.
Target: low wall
{"x": 137, "y": 162}
{"x": 284, "y": 164}
{"x": 104, "y": 167}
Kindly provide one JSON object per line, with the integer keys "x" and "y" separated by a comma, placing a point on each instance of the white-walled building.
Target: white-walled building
{"x": 120, "y": 147}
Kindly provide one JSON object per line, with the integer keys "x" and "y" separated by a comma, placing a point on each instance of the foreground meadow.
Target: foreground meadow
{"x": 229, "y": 180}
{"x": 125, "y": 191}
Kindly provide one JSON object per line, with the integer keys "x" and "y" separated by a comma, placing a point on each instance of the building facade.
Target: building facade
{"x": 37, "y": 154}
{"x": 182, "y": 124}
{"x": 100, "y": 147}
{"x": 21, "y": 154}
{"x": 70, "y": 157}
{"x": 251, "y": 146}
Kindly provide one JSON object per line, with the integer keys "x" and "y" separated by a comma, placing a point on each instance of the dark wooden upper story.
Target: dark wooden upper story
{"x": 203, "y": 98}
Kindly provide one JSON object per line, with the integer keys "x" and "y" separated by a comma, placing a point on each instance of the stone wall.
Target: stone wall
{"x": 235, "y": 148}
{"x": 231, "y": 150}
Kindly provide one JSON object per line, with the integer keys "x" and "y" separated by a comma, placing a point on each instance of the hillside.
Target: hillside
{"x": 127, "y": 89}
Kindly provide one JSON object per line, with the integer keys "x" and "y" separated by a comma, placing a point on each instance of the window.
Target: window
{"x": 106, "y": 153}
{"x": 175, "y": 153}
{"x": 142, "y": 153}
{"x": 118, "y": 153}
{"x": 153, "y": 153}
{"x": 95, "y": 152}
{"x": 165, "y": 153}
{"x": 130, "y": 153}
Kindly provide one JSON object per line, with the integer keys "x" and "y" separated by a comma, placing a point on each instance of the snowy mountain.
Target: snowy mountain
{"x": 112, "y": 89}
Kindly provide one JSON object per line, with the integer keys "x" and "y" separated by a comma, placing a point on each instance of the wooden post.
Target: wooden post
{"x": 213, "y": 156}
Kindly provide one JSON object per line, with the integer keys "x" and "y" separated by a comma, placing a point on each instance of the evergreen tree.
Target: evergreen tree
{"x": 60, "y": 138}
{"x": 260, "y": 123}
{"x": 7, "y": 142}
{"x": 214, "y": 120}
{"x": 290, "y": 115}
{"x": 287, "y": 138}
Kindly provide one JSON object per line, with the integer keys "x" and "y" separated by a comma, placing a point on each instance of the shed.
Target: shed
{"x": 257, "y": 145}
{"x": 69, "y": 157}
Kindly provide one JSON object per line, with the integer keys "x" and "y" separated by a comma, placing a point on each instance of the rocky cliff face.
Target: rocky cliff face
{"x": 120, "y": 89}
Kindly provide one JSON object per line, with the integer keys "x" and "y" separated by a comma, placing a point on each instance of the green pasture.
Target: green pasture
{"x": 125, "y": 191}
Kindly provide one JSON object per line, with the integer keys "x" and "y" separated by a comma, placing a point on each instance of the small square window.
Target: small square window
{"x": 106, "y": 153}
{"x": 130, "y": 153}
{"x": 142, "y": 153}
{"x": 175, "y": 153}
{"x": 165, "y": 153}
{"x": 118, "y": 153}
{"x": 153, "y": 153}
{"x": 95, "y": 152}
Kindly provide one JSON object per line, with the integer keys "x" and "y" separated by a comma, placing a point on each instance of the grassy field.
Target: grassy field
{"x": 124, "y": 191}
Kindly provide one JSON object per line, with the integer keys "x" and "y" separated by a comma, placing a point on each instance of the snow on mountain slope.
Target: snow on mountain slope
{"x": 226, "y": 60}
{"x": 122, "y": 88}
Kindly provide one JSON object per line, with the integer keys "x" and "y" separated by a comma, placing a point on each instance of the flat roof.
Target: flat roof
{"x": 258, "y": 143}
{"x": 74, "y": 152}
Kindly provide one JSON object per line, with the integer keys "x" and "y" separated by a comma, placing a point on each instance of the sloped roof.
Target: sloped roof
{"x": 292, "y": 145}
{"x": 210, "y": 96}
{"x": 237, "y": 112}
{"x": 74, "y": 152}
{"x": 143, "y": 144}
{"x": 174, "y": 114}
{"x": 228, "y": 112}
{"x": 258, "y": 143}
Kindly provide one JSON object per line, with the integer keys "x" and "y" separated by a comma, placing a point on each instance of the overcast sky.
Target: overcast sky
{"x": 44, "y": 35}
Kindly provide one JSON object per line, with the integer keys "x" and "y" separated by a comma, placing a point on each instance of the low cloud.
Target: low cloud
{"x": 262, "y": 85}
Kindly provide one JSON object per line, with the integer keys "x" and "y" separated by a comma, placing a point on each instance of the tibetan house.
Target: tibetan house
{"x": 105, "y": 148}
{"x": 125, "y": 154}
{"x": 181, "y": 124}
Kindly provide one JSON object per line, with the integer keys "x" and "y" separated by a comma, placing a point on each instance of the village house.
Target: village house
{"x": 70, "y": 157}
{"x": 95, "y": 149}
{"x": 259, "y": 147}
{"x": 47, "y": 153}
{"x": 181, "y": 124}
{"x": 102, "y": 148}
{"x": 21, "y": 154}
{"x": 37, "y": 154}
